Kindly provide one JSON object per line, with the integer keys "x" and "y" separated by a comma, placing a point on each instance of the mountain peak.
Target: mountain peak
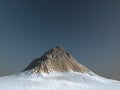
{"x": 57, "y": 51}
{"x": 56, "y": 59}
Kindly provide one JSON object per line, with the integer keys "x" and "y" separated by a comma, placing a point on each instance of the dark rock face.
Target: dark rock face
{"x": 56, "y": 59}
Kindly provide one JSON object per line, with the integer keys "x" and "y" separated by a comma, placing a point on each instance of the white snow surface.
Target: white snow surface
{"x": 57, "y": 81}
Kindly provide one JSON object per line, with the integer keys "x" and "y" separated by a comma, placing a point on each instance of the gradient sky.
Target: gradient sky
{"x": 88, "y": 29}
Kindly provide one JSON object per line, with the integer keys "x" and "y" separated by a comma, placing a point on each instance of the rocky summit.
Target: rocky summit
{"x": 56, "y": 59}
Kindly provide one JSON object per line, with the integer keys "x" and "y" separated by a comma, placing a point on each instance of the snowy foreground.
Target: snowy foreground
{"x": 57, "y": 81}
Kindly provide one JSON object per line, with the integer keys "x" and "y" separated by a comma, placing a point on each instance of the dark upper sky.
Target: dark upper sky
{"x": 88, "y": 29}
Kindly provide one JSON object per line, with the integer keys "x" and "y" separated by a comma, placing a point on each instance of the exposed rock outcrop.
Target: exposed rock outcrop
{"x": 56, "y": 59}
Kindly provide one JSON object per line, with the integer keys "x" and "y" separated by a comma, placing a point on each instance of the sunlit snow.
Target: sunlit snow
{"x": 57, "y": 81}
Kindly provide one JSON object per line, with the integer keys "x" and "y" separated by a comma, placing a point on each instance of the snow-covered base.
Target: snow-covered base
{"x": 57, "y": 81}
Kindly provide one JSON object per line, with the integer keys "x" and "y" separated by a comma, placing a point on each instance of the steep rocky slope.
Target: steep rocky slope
{"x": 56, "y": 59}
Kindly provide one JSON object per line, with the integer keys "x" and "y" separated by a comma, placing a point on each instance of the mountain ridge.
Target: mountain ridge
{"x": 56, "y": 59}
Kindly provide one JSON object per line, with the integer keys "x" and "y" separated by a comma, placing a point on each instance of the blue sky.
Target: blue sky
{"x": 89, "y": 30}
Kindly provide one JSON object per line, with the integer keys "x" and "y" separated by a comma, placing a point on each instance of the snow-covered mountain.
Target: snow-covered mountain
{"x": 57, "y": 70}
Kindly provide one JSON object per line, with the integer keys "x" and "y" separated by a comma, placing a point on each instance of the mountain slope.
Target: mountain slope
{"x": 57, "y": 81}
{"x": 57, "y": 70}
{"x": 56, "y": 59}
